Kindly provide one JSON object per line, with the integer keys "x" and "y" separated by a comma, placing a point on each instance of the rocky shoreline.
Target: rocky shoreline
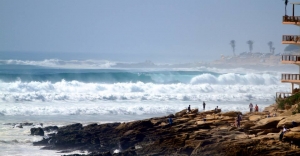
{"x": 189, "y": 134}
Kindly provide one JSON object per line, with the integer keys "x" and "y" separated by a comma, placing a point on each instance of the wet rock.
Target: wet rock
{"x": 37, "y": 131}
{"x": 50, "y": 128}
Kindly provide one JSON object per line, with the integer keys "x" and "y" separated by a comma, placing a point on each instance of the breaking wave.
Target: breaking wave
{"x": 56, "y": 63}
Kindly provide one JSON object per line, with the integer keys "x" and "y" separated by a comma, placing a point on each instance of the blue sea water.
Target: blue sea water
{"x": 56, "y": 92}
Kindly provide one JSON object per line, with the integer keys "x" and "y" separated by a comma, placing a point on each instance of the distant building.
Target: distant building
{"x": 293, "y": 79}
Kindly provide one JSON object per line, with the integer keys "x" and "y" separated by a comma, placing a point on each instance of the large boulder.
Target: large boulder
{"x": 288, "y": 121}
{"x": 231, "y": 113}
{"x": 267, "y": 123}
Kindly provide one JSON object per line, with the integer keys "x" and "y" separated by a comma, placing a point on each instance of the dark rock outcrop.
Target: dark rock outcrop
{"x": 37, "y": 131}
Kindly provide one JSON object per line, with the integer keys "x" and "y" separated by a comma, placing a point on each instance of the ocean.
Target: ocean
{"x": 58, "y": 92}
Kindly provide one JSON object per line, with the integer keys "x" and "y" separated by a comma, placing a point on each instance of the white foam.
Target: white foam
{"x": 233, "y": 78}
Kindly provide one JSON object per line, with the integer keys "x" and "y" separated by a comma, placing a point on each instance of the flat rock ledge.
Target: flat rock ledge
{"x": 197, "y": 133}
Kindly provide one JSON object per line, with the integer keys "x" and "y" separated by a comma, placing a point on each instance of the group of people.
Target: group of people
{"x": 239, "y": 118}
{"x": 251, "y": 108}
{"x": 204, "y": 104}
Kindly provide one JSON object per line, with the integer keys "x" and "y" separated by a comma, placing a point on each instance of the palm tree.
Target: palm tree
{"x": 232, "y": 43}
{"x": 286, "y": 3}
{"x": 250, "y": 43}
{"x": 270, "y": 44}
{"x": 273, "y": 50}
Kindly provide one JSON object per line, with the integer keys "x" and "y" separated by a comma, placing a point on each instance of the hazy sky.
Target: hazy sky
{"x": 138, "y": 29}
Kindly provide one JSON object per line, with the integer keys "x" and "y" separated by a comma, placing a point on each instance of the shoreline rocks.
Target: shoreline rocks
{"x": 195, "y": 133}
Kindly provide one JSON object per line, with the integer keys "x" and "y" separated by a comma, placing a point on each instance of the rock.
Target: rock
{"x": 247, "y": 124}
{"x": 73, "y": 127}
{"x": 181, "y": 120}
{"x": 27, "y": 124}
{"x": 273, "y": 136}
{"x": 37, "y": 131}
{"x": 271, "y": 108}
{"x": 211, "y": 117}
{"x": 181, "y": 113}
{"x": 255, "y": 117}
{"x": 267, "y": 123}
{"x": 295, "y": 129}
{"x": 186, "y": 150}
{"x": 171, "y": 116}
{"x": 288, "y": 121}
{"x": 141, "y": 124}
{"x": 191, "y": 116}
{"x": 194, "y": 111}
{"x": 231, "y": 113}
{"x": 227, "y": 118}
{"x": 266, "y": 131}
{"x": 294, "y": 136}
{"x": 188, "y": 135}
{"x": 232, "y": 128}
{"x": 50, "y": 128}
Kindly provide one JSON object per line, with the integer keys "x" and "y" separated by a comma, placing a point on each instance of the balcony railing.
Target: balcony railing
{"x": 291, "y": 38}
{"x": 283, "y": 94}
{"x": 291, "y": 19}
{"x": 290, "y": 58}
{"x": 290, "y": 77}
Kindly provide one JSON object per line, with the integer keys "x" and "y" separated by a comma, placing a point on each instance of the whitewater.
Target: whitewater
{"x": 57, "y": 92}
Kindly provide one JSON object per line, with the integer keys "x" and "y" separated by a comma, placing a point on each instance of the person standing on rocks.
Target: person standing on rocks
{"x": 251, "y": 107}
{"x": 239, "y": 118}
{"x": 204, "y": 105}
{"x": 170, "y": 121}
{"x": 282, "y": 132}
{"x": 189, "y": 109}
{"x": 256, "y": 108}
{"x": 216, "y": 109}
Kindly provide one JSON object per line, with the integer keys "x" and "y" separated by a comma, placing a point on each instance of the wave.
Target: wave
{"x": 233, "y": 78}
{"x": 92, "y": 76}
{"x": 56, "y": 63}
{"x": 134, "y": 76}
{"x": 78, "y": 91}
